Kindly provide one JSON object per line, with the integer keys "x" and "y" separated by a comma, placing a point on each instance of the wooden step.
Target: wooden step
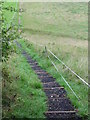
{"x": 52, "y": 88}
{"x": 55, "y": 93}
{"x": 60, "y": 112}
{"x": 50, "y": 85}
{"x": 30, "y": 61}
{"x": 47, "y": 79}
{"x": 40, "y": 70}
{"x": 61, "y": 115}
{"x": 33, "y": 63}
{"x": 36, "y": 68}
{"x": 43, "y": 74}
{"x": 63, "y": 104}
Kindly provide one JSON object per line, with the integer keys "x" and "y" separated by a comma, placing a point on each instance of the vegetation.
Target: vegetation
{"x": 23, "y": 96}
{"x": 9, "y": 27}
{"x": 78, "y": 87}
{"x": 22, "y": 93}
{"x": 72, "y": 51}
{"x": 57, "y": 19}
{"x": 61, "y": 27}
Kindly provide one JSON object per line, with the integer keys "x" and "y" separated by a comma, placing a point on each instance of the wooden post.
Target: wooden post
{"x": 45, "y": 51}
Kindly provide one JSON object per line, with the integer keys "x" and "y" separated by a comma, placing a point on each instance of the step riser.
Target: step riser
{"x": 65, "y": 116}
{"x": 50, "y": 85}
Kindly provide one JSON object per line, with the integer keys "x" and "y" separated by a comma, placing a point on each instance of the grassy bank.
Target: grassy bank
{"x": 44, "y": 62}
{"x": 22, "y": 93}
{"x": 23, "y": 96}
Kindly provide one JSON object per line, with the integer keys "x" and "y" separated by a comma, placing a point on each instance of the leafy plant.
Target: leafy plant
{"x": 8, "y": 32}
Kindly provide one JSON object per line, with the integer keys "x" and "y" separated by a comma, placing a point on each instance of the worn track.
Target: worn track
{"x": 59, "y": 106}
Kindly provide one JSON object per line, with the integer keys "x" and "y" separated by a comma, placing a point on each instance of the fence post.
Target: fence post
{"x": 45, "y": 51}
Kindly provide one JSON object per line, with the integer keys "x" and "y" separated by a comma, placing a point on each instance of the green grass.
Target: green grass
{"x": 10, "y": 16}
{"x": 66, "y": 18}
{"x": 29, "y": 100}
{"x": 63, "y": 28}
{"x": 22, "y": 95}
{"x": 78, "y": 87}
{"x": 73, "y": 53}
{"x": 57, "y": 19}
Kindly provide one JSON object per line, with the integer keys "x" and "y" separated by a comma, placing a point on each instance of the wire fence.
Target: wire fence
{"x": 49, "y": 51}
{"x": 63, "y": 78}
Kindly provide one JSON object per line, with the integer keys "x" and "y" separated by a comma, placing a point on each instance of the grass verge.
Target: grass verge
{"x": 23, "y": 96}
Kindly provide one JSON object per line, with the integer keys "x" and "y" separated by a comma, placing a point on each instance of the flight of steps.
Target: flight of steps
{"x": 59, "y": 106}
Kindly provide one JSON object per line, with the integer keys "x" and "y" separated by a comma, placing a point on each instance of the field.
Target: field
{"x": 71, "y": 50}
{"x": 60, "y": 19}
{"x": 62, "y": 28}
